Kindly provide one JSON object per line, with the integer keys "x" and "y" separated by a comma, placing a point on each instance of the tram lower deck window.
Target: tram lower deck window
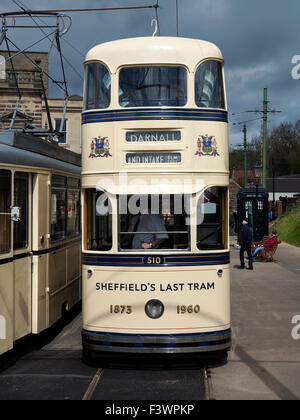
{"x": 154, "y": 222}
{"x": 21, "y": 187}
{"x": 211, "y": 215}
{"x": 152, "y": 86}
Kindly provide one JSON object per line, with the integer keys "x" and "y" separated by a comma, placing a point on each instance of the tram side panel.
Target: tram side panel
{"x": 22, "y": 293}
{"x": 64, "y": 280}
{"x": 40, "y": 259}
{"x": 6, "y": 307}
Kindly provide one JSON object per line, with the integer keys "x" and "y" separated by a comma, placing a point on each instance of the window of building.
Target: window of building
{"x": 97, "y": 86}
{"x": 63, "y": 139}
{"x": 21, "y": 200}
{"x": 5, "y": 204}
{"x": 159, "y": 220}
{"x": 98, "y": 236}
{"x": 152, "y": 86}
{"x": 211, "y": 218}
{"x": 209, "y": 86}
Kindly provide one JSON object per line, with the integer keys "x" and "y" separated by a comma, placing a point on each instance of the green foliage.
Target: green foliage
{"x": 288, "y": 226}
{"x": 283, "y": 151}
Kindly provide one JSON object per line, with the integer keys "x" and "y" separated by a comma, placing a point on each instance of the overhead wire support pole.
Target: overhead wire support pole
{"x": 245, "y": 156}
{"x": 265, "y": 111}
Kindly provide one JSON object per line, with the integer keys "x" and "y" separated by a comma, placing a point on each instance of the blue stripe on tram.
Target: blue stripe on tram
{"x": 138, "y": 260}
{"x": 154, "y": 114}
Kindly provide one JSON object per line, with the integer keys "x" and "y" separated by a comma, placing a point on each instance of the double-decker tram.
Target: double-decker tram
{"x": 155, "y": 182}
{"x": 40, "y": 242}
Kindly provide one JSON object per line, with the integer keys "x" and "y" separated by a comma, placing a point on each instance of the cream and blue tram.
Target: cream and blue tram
{"x": 155, "y": 182}
{"x": 40, "y": 242}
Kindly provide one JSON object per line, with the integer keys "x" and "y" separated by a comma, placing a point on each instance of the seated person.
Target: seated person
{"x": 148, "y": 223}
{"x": 269, "y": 243}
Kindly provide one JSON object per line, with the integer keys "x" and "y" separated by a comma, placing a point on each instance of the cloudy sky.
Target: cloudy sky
{"x": 258, "y": 39}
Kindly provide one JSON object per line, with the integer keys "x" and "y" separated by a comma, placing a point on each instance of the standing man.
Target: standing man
{"x": 245, "y": 241}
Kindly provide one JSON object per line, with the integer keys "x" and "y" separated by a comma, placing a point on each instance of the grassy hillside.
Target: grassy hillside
{"x": 288, "y": 226}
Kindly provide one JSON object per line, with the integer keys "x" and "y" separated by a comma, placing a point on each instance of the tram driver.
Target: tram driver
{"x": 151, "y": 231}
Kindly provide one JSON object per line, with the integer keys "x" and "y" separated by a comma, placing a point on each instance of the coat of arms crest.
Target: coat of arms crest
{"x": 100, "y": 147}
{"x": 207, "y": 146}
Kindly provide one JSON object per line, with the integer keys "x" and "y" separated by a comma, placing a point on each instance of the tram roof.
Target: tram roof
{"x": 23, "y": 149}
{"x": 153, "y": 50}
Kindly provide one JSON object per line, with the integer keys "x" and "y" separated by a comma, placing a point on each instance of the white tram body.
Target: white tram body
{"x": 155, "y": 140}
{"x": 40, "y": 264}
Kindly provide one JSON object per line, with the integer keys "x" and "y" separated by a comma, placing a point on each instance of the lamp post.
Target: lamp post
{"x": 256, "y": 170}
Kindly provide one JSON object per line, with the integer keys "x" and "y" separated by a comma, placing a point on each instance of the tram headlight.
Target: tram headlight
{"x": 154, "y": 308}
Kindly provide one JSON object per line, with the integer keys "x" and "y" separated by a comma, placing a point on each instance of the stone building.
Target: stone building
{"x": 32, "y": 109}
{"x": 30, "y": 85}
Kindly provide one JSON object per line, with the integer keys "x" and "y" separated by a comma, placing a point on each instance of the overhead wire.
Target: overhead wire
{"x": 25, "y": 9}
{"x": 95, "y": 10}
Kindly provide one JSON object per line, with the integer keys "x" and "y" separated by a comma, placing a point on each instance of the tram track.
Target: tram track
{"x": 93, "y": 385}
{"x": 206, "y": 388}
{"x": 209, "y": 391}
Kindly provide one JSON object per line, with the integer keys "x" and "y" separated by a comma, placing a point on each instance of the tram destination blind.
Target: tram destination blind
{"x": 153, "y": 158}
{"x": 152, "y": 136}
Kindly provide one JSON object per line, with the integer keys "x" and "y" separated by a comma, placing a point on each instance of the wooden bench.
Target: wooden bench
{"x": 266, "y": 254}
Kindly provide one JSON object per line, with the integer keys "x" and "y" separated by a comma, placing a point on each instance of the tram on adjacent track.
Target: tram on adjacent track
{"x": 40, "y": 239}
{"x": 155, "y": 178}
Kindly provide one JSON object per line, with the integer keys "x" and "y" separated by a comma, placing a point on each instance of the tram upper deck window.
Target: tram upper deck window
{"x": 209, "y": 86}
{"x": 97, "y": 86}
{"x": 154, "y": 222}
{"x": 211, "y": 215}
{"x": 5, "y": 203}
{"x": 98, "y": 236}
{"x": 152, "y": 86}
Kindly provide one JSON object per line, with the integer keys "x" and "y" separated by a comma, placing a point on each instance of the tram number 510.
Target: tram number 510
{"x": 153, "y": 260}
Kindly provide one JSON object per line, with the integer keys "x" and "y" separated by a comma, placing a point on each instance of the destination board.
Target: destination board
{"x": 152, "y": 136}
{"x": 153, "y": 158}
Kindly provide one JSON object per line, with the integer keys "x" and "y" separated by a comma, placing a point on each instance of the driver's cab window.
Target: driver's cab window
{"x": 154, "y": 222}
{"x": 211, "y": 217}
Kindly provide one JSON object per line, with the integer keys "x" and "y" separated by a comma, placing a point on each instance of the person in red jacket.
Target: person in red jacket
{"x": 269, "y": 243}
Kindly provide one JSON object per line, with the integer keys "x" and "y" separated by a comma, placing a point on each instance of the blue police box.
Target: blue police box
{"x": 253, "y": 204}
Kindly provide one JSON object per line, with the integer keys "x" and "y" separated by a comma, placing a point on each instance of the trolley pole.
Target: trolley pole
{"x": 245, "y": 156}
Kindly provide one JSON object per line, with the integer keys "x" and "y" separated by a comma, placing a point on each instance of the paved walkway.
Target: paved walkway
{"x": 265, "y": 360}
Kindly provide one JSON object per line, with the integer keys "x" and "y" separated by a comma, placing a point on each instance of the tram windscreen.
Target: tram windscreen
{"x": 154, "y": 222}
{"x": 97, "y": 86}
{"x": 209, "y": 89}
{"x": 152, "y": 86}
{"x": 211, "y": 218}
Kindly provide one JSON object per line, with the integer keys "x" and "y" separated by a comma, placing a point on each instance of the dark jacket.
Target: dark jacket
{"x": 245, "y": 236}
